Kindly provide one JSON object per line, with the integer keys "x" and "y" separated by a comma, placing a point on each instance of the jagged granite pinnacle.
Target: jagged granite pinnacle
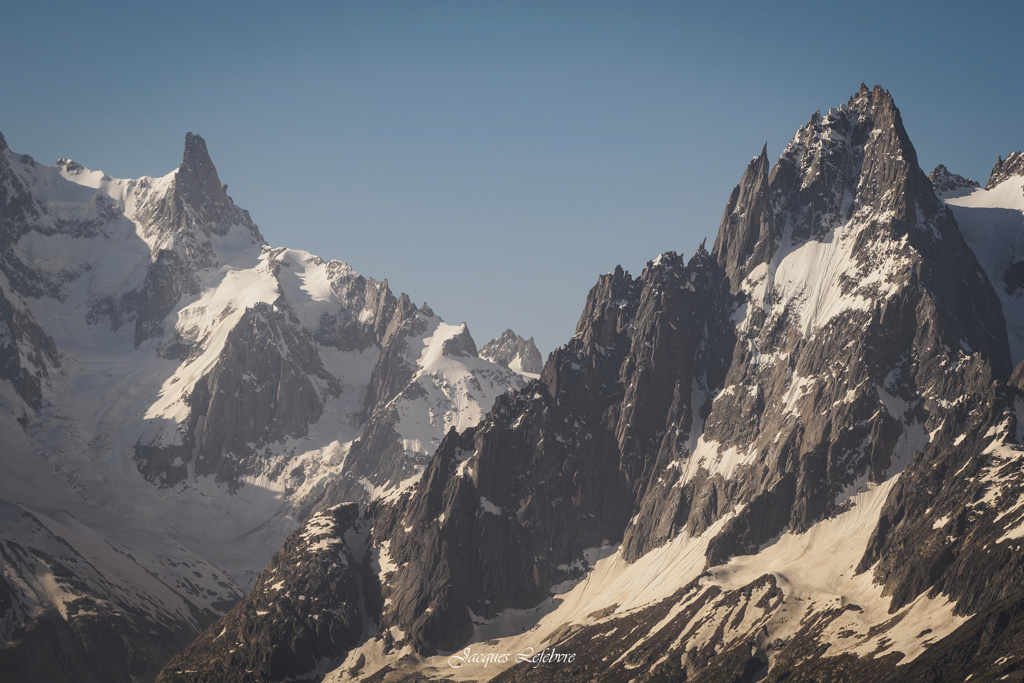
{"x": 1012, "y": 166}
{"x": 746, "y": 230}
{"x": 181, "y": 223}
{"x": 198, "y": 187}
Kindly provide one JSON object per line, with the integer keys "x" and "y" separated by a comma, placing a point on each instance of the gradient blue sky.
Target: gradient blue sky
{"x": 492, "y": 158}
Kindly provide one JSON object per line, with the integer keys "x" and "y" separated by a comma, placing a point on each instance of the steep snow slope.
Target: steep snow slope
{"x": 992, "y": 221}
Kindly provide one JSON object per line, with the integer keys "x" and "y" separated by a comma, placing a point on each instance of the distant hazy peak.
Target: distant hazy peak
{"x": 513, "y": 352}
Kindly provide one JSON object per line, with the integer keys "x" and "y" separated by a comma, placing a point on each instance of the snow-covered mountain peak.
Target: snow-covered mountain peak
{"x": 737, "y": 463}
{"x": 730, "y": 399}
{"x": 840, "y": 222}
{"x": 831, "y": 149}
{"x": 70, "y": 167}
{"x": 513, "y": 352}
{"x": 856, "y": 161}
{"x": 1005, "y": 169}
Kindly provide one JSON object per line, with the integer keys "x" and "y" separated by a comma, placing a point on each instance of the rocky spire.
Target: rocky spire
{"x": 196, "y": 156}
{"x": 746, "y": 227}
{"x": 852, "y": 157}
{"x": 3, "y": 143}
{"x": 662, "y": 364}
{"x": 1012, "y": 166}
{"x": 198, "y": 187}
{"x": 180, "y": 222}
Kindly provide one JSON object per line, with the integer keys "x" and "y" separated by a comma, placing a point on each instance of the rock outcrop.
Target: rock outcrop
{"x": 944, "y": 181}
{"x": 307, "y": 606}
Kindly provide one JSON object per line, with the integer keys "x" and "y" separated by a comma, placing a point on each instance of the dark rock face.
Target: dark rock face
{"x": 197, "y": 185}
{"x": 342, "y": 329}
{"x": 25, "y": 370}
{"x": 167, "y": 281}
{"x": 503, "y": 509}
{"x": 509, "y": 347}
{"x": 854, "y": 172}
{"x": 949, "y": 526}
{"x": 476, "y": 535}
{"x": 1011, "y": 167}
{"x": 945, "y": 181}
{"x": 461, "y": 344}
{"x": 392, "y": 372}
{"x": 86, "y": 648}
{"x": 306, "y": 608}
{"x": 260, "y": 391}
{"x": 747, "y": 231}
{"x": 20, "y": 211}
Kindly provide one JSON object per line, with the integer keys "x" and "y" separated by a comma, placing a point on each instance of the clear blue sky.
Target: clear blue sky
{"x": 492, "y": 158}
